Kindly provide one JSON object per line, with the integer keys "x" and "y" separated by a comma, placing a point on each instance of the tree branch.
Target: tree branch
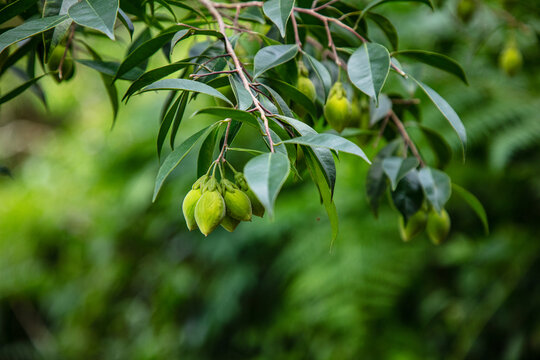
{"x": 406, "y": 137}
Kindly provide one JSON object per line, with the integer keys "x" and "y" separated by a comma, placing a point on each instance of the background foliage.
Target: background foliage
{"x": 91, "y": 269}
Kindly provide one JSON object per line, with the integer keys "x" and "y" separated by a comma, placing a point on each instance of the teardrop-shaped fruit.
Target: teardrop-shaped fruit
{"x": 257, "y": 208}
{"x": 438, "y": 226}
{"x": 67, "y": 65}
{"x": 229, "y": 224}
{"x": 209, "y": 211}
{"x": 306, "y": 87}
{"x": 511, "y": 60}
{"x": 414, "y": 226}
{"x": 188, "y": 208}
{"x": 466, "y": 9}
{"x": 236, "y": 201}
{"x": 337, "y": 108}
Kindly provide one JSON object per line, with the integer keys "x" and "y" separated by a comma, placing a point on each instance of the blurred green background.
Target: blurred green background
{"x": 91, "y": 269}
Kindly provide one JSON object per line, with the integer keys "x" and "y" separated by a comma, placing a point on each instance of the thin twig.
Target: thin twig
{"x": 296, "y": 35}
{"x": 225, "y": 144}
{"x": 68, "y": 42}
{"x": 406, "y": 137}
{"x": 406, "y": 101}
{"x": 324, "y": 5}
{"x": 331, "y": 44}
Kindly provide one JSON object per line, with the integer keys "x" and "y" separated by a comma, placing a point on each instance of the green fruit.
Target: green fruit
{"x": 257, "y": 208}
{"x": 229, "y": 224}
{"x": 210, "y": 209}
{"x": 337, "y": 108}
{"x": 236, "y": 201}
{"x": 466, "y": 9}
{"x": 67, "y": 65}
{"x": 511, "y": 60}
{"x": 306, "y": 87}
{"x": 188, "y": 207}
{"x": 415, "y": 225}
{"x": 438, "y": 226}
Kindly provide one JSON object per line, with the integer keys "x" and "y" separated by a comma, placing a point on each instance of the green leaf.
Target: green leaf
{"x": 376, "y": 181}
{"x": 235, "y": 114}
{"x": 184, "y": 84}
{"x": 474, "y": 203}
{"x": 379, "y": 111}
{"x": 368, "y": 68}
{"x": 4, "y": 171}
{"x": 436, "y": 185}
{"x": 439, "y": 145}
{"x": 281, "y": 104}
{"x": 408, "y": 196}
{"x": 110, "y": 68}
{"x": 29, "y": 28}
{"x": 292, "y": 93}
{"x": 96, "y": 14}
{"x": 178, "y": 117}
{"x": 272, "y": 56}
{"x": 375, "y": 3}
{"x": 175, "y": 157}
{"x": 253, "y": 13}
{"x": 154, "y": 75}
{"x": 321, "y": 72}
{"x": 243, "y": 96}
{"x": 206, "y": 153}
{"x": 265, "y": 175}
{"x": 179, "y": 36}
{"x": 166, "y": 123}
{"x": 19, "y": 89}
{"x": 329, "y": 141}
{"x": 14, "y": 8}
{"x": 447, "y": 112}
{"x": 278, "y": 11}
{"x": 54, "y": 37}
{"x": 124, "y": 18}
{"x": 387, "y": 28}
{"x": 436, "y": 60}
{"x": 397, "y": 167}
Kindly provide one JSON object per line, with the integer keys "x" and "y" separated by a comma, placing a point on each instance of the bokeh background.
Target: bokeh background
{"x": 91, "y": 269}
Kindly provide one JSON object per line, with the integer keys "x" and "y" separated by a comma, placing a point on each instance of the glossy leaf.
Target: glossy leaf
{"x": 279, "y": 11}
{"x": 179, "y": 36}
{"x": 436, "y": 60}
{"x": 447, "y": 112}
{"x": 265, "y": 175}
{"x": 321, "y": 72}
{"x": 184, "y": 84}
{"x": 235, "y": 114}
{"x": 387, "y": 28}
{"x": 376, "y": 181}
{"x": 179, "y": 114}
{"x": 408, "y": 196}
{"x": 175, "y": 157}
{"x": 368, "y": 68}
{"x": 397, "y": 167}
{"x": 329, "y": 141}
{"x": 243, "y": 96}
{"x": 96, "y": 14}
{"x": 292, "y": 93}
{"x": 15, "y": 8}
{"x": 436, "y": 185}
{"x": 272, "y": 56}
{"x": 124, "y": 18}
{"x": 474, "y": 203}
{"x": 28, "y": 29}
{"x": 377, "y": 112}
{"x": 54, "y": 37}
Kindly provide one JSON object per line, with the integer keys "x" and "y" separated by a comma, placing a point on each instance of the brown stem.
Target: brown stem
{"x": 324, "y": 5}
{"x": 296, "y": 35}
{"x": 234, "y": 5}
{"x": 406, "y": 137}
{"x": 211, "y": 6}
{"x": 406, "y": 101}
{"x": 68, "y": 42}
{"x": 331, "y": 43}
{"x": 225, "y": 145}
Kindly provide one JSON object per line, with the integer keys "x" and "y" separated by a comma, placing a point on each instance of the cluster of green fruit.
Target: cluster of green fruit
{"x": 210, "y": 203}
{"x": 436, "y": 224}
{"x": 57, "y": 66}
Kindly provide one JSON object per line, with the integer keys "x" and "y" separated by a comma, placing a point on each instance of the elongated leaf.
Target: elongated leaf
{"x": 447, "y": 112}
{"x": 292, "y": 93}
{"x": 368, "y": 68}
{"x": 235, "y": 114}
{"x": 387, "y": 28}
{"x": 96, "y": 14}
{"x": 436, "y": 185}
{"x": 321, "y": 72}
{"x": 206, "y": 153}
{"x": 54, "y": 37}
{"x": 242, "y": 95}
{"x": 281, "y": 104}
{"x": 329, "y": 141}
{"x": 28, "y": 29}
{"x": 184, "y": 84}
{"x": 110, "y": 68}
{"x": 272, "y": 56}
{"x": 253, "y": 13}
{"x": 439, "y": 145}
{"x": 439, "y": 61}
{"x": 265, "y": 175}
{"x": 474, "y": 203}
{"x": 397, "y": 167}
{"x": 179, "y": 36}
{"x": 175, "y": 157}
{"x": 408, "y": 196}
{"x": 279, "y": 11}
{"x": 19, "y": 89}
{"x": 154, "y": 75}
{"x": 15, "y": 8}
{"x": 166, "y": 123}
{"x": 178, "y": 117}
{"x": 124, "y": 18}
{"x": 376, "y": 3}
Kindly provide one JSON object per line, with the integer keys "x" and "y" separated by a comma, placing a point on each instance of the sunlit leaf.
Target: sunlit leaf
{"x": 96, "y": 14}
{"x": 368, "y": 68}
{"x": 279, "y": 11}
{"x": 397, "y": 167}
{"x": 272, "y": 56}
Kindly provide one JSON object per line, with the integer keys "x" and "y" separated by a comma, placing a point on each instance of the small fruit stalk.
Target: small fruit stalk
{"x": 337, "y": 110}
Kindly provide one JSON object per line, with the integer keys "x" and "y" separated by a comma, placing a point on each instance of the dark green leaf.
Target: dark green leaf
{"x": 18, "y": 90}
{"x": 292, "y": 93}
{"x": 253, "y": 13}
{"x": 265, "y": 175}
{"x": 436, "y": 185}
{"x": 175, "y": 157}
{"x": 225, "y": 113}
{"x": 179, "y": 36}
{"x": 380, "y": 111}
{"x": 397, "y": 167}
{"x": 474, "y": 203}
{"x": 54, "y": 37}
{"x": 206, "y": 153}
{"x": 321, "y": 72}
{"x": 5, "y": 171}
{"x": 439, "y": 145}
{"x": 436, "y": 60}
{"x": 368, "y": 68}
{"x": 272, "y": 56}
{"x": 408, "y": 196}
{"x": 375, "y": 3}
{"x": 387, "y": 28}
{"x": 184, "y": 84}
{"x": 110, "y": 68}
{"x": 29, "y": 28}
{"x": 96, "y": 14}
{"x": 278, "y": 11}
{"x": 166, "y": 123}
{"x": 178, "y": 117}
{"x": 14, "y": 8}
{"x": 124, "y": 18}
{"x": 242, "y": 95}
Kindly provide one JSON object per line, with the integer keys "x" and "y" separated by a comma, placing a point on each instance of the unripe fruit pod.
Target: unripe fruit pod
{"x": 229, "y": 224}
{"x": 466, "y": 9}
{"x": 337, "y": 108}
{"x": 415, "y": 225}
{"x": 257, "y": 208}
{"x": 511, "y": 60}
{"x": 438, "y": 226}
{"x": 236, "y": 201}
{"x": 188, "y": 208}
{"x": 306, "y": 87}
{"x": 210, "y": 209}
{"x": 67, "y": 65}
